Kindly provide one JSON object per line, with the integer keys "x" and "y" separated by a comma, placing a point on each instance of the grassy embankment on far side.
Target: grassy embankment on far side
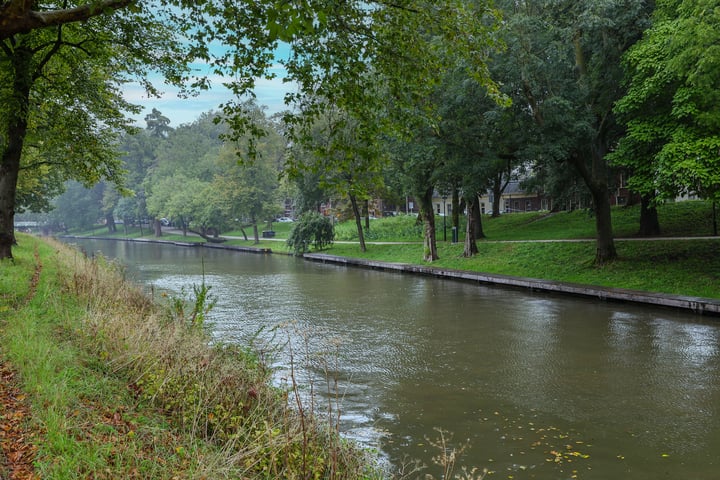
{"x": 683, "y": 267}
{"x": 121, "y": 387}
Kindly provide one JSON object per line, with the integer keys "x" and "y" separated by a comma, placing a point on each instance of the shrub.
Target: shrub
{"x": 312, "y": 228}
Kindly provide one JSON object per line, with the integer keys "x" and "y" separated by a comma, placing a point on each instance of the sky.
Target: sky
{"x": 269, "y": 93}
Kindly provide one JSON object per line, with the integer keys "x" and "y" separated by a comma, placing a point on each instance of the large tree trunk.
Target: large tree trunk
{"x": 256, "y": 233}
{"x": 17, "y": 121}
{"x": 605, "y": 252}
{"x": 649, "y": 223}
{"x": 595, "y": 177}
{"x": 496, "y": 200}
{"x": 476, "y": 215}
{"x": 428, "y": 214}
{"x": 470, "y": 247}
{"x": 358, "y": 222}
{"x": 499, "y": 184}
{"x": 110, "y": 222}
{"x": 157, "y": 226}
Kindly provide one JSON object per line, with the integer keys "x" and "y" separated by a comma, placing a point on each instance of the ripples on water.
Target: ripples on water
{"x": 543, "y": 387}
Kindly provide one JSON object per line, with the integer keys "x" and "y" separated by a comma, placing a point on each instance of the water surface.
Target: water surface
{"x": 542, "y": 387}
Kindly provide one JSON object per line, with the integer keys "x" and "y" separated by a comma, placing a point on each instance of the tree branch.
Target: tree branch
{"x": 16, "y": 16}
{"x": 34, "y": 165}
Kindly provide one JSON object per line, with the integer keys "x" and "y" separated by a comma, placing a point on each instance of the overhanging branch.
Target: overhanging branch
{"x": 16, "y": 16}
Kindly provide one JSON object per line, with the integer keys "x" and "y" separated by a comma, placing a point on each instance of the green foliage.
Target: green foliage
{"x": 121, "y": 386}
{"x": 400, "y": 228}
{"x": 671, "y": 108}
{"x": 311, "y": 229}
{"x": 675, "y": 267}
{"x": 200, "y": 303}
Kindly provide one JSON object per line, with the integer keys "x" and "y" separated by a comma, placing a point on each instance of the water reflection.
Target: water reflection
{"x": 543, "y": 387}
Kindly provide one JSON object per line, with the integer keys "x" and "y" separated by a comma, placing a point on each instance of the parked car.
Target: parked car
{"x": 284, "y": 219}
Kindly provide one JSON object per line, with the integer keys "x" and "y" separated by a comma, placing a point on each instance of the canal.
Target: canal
{"x": 541, "y": 387}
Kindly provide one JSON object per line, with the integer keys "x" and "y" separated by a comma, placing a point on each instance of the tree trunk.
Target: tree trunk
{"x": 649, "y": 223}
{"x": 499, "y": 184}
{"x": 16, "y": 130}
{"x": 110, "y": 223}
{"x": 256, "y": 233}
{"x": 367, "y": 216}
{"x": 428, "y": 214}
{"x": 595, "y": 178}
{"x": 476, "y": 215}
{"x": 605, "y": 252}
{"x": 470, "y": 248}
{"x": 358, "y": 222}
{"x": 456, "y": 209}
{"x": 157, "y": 226}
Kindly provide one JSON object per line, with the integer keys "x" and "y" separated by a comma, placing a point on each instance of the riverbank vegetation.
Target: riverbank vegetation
{"x": 556, "y": 119}
{"x": 119, "y": 387}
{"x": 679, "y": 263}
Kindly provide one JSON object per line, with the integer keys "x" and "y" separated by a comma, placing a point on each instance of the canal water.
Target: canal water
{"x": 537, "y": 386}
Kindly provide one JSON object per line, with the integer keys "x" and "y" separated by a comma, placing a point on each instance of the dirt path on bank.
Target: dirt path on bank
{"x": 17, "y": 449}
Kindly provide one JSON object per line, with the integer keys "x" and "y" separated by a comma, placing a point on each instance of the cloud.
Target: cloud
{"x": 269, "y": 92}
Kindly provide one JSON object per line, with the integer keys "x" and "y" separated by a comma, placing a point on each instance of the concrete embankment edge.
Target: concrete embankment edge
{"x": 698, "y": 305}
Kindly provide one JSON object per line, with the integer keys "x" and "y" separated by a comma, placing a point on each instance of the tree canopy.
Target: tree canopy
{"x": 68, "y": 63}
{"x": 672, "y": 107}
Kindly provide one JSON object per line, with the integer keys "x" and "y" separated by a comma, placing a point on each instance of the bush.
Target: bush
{"x": 312, "y": 228}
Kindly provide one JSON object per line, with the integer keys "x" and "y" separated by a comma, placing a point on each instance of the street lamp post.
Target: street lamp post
{"x": 444, "y": 215}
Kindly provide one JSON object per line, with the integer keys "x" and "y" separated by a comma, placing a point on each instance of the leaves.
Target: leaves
{"x": 16, "y": 441}
{"x": 671, "y": 108}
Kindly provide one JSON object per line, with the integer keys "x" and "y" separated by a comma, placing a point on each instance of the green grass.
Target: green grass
{"x": 74, "y": 402}
{"x": 688, "y": 267}
{"x": 677, "y": 267}
{"x": 693, "y": 218}
{"x": 122, "y": 388}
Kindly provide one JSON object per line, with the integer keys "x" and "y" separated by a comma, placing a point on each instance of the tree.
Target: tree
{"x": 418, "y": 162}
{"x": 337, "y": 49}
{"x": 347, "y": 159}
{"x": 311, "y": 229}
{"x": 672, "y": 107}
{"x": 568, "y": 54}
{"x": 78, "y": 206}
{"x": 60, "y": 92}
{"x": 248, "y": 191}
{"x": 157, "y": 124}
{"x": 188, "y": 152}
{"x": 179, "y": 198}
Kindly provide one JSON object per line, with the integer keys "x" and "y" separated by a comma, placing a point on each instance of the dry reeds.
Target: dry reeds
{"x": 219, "y": 393}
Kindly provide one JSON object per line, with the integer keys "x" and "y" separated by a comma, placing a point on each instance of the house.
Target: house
{"x": 515, "y": 199}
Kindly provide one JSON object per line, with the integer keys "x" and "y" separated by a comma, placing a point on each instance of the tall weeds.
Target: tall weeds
{"x": 217, "y": 392}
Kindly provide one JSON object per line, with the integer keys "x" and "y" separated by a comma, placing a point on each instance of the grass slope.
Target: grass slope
{"x": 683, "y": 267}
{"x": 120, "y": 387}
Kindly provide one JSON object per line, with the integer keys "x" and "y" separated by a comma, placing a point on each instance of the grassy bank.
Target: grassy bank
{"x": 688, "y": 267}
{"x": 119, "y": 387}
{"x": 682, "y": 267}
